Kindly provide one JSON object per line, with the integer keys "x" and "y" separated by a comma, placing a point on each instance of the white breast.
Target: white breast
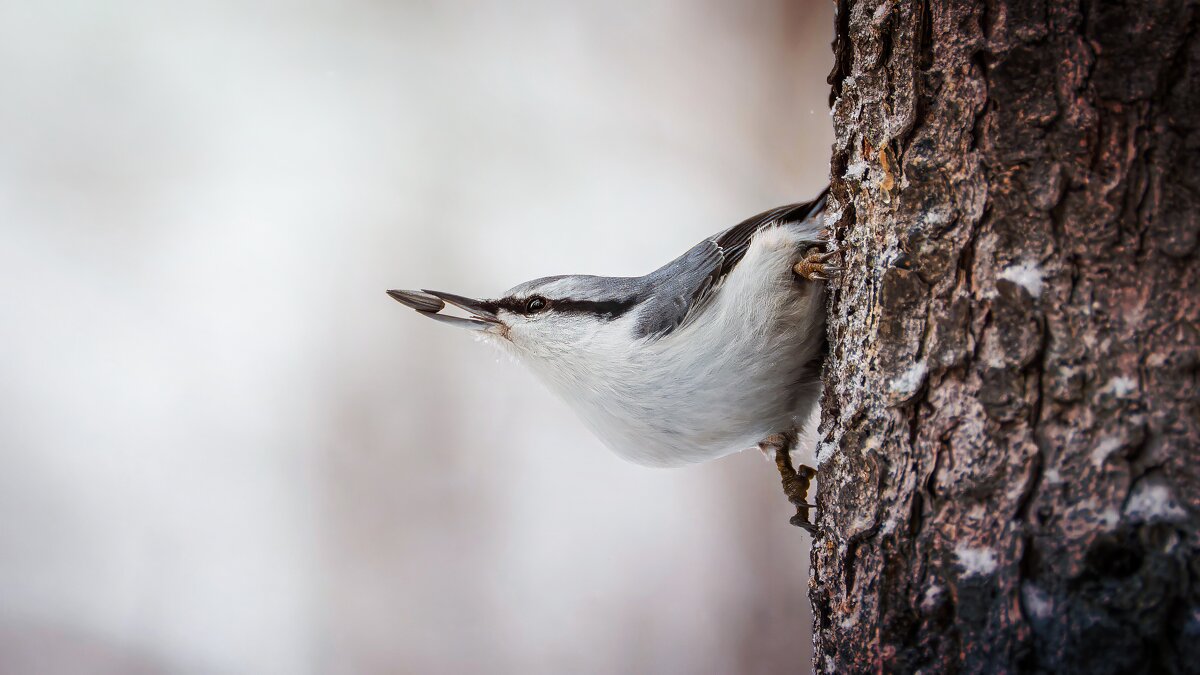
{"x": 738, "y": 373}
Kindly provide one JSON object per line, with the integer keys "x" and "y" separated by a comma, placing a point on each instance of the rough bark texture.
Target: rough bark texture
{"x": 1010, "y": 456}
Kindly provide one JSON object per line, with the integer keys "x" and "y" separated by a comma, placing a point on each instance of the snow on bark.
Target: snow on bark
{"x": 1010, "y": 440}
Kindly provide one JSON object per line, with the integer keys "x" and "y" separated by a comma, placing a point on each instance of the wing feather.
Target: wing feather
{"x": 685, "y": 286}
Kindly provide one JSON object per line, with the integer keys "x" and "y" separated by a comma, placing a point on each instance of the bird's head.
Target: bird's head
{"x": 549, "y": 321}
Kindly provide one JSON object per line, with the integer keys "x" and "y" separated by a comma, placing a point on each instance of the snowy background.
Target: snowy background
{"x": 226, "y": 450}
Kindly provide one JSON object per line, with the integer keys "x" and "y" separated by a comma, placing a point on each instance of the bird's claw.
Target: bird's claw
{"x": 813, "y": 266}
{"x": 795, "y": 480}
{"x": 802, "y": 521}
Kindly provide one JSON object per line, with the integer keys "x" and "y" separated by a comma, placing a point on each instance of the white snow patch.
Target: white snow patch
{"x": 1107, "y": 446}
{"x": 864, "y": 521}
{"x": 1039, "y": 604}
{"x": 1153, "y": 501}
{"x": 930, "y": 597}
{"x": 1120, "y": 386}
{"x": 976, "y": 560}
{"x": 832, "y": 216}
{"x": 824, "y": 452}
{"x": 935, "y": 217}
{"x": 910, "y": 380}
{"x": 856, "y": 170}
{"x": 994, "y": 358}
{"x": 889, "y": 526}
{"x": 1052, "y": 477}
{"x": 1027, "y": 275}
{"x": 1109, "y": 518}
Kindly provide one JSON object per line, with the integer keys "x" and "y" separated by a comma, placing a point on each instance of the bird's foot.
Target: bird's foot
{"x": 796, "y": 489}
{"x": 796, "y": 481}
{"x": 815, "y": 266}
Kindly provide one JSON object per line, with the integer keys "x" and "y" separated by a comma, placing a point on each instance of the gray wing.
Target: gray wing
{"x": 684, "y": 286}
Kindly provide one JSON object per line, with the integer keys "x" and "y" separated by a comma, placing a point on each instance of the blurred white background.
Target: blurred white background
{"x": 225, "y": 450}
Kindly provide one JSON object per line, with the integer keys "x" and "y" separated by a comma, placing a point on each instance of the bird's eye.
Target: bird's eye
{"x": 535, "y": 304}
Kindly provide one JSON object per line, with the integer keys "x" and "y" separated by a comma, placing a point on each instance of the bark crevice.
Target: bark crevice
{"x": 1010, "y": 434}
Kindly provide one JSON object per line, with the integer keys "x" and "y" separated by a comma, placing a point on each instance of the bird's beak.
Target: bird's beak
{"x": 429, "y": 303}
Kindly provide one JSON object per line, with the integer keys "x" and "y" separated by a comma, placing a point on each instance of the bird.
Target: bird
{"x": 717, "y": 351}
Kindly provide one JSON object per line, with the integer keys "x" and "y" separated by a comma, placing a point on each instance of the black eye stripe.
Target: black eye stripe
{"x": 605, "y": 309}
{"x": 608, "y": 309}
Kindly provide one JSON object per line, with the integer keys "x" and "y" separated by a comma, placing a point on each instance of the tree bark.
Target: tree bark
{"x": 1010, "y": 456}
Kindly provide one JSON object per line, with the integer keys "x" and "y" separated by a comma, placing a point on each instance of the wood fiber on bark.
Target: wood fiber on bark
{"x": 1010, "y": 454}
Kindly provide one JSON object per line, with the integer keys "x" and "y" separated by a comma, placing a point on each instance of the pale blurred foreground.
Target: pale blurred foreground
{"x": 226, "y": 450}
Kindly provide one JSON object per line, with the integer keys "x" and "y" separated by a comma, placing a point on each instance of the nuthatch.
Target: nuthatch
{"x": 716, "y": 351}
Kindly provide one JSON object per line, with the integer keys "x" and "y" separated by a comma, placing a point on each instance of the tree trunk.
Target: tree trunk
{"x": 1010, "y": 454}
